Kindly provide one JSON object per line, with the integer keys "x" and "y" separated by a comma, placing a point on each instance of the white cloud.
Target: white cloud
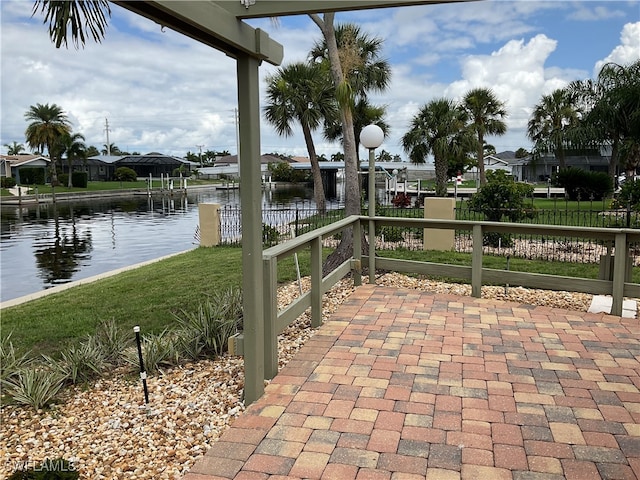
{"x": 627, "y": 52}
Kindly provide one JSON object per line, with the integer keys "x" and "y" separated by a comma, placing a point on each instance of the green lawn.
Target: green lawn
{"x": 147, "y": 296}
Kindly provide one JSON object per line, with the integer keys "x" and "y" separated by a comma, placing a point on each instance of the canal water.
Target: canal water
{"x": 45, "y": 245}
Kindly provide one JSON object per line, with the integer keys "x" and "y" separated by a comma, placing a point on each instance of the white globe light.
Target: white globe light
{"x": 371, "y": 136}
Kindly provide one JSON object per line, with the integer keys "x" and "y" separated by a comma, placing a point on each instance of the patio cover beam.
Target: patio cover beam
{"x": 209, "y": 23}
{"x": 277, "y": 8}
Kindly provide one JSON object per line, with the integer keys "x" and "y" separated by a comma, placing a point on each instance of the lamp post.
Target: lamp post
{"x": 371, "y": 137}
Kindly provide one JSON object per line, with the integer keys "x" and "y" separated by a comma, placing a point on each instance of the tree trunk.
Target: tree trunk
{"x": 441, "y": 176}
{"x": 482, "y": 174}
{"x": 69, "y": 182}
{"x": 318, "y": 188}
{"x": 352, "y": 185}
{"x": 613, "y": 163}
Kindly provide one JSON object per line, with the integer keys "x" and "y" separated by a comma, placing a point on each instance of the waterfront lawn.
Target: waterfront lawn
{"x": 147, "y": 296}
{"x": 108, "y": 186}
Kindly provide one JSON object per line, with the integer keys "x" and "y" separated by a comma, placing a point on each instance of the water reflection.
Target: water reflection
{"x": 58, "y": 262}
{"x": 45, "y": 244}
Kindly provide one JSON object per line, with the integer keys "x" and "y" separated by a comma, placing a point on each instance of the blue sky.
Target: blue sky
{"x": 161, "y": 91}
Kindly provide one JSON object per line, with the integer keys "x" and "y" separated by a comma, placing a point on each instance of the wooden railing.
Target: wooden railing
{"x": 276, "y": 320}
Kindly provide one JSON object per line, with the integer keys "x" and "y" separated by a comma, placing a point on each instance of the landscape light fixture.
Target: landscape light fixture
{"x": 371, "y": 137}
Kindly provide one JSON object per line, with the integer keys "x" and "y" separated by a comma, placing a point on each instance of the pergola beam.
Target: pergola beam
{"x": 277, "y": 8}
{"x": 209, "y": 23}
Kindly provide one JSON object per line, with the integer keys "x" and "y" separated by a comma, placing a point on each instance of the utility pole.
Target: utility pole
{"x": 200, "y": 147}
{"x": 106, "y": 129}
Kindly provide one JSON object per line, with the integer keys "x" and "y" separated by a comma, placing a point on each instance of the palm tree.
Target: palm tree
{"x": 72, "y": 144}
{"x": 438, "y": 129}
{"x": 48, "y": 124}
{"x": 612, "y": 112}
{"x": 111, "y": 149}
{"x": 551, "y": 121}
{"x": 485, "y": 113}
{"x": 301, "y": 92}
{"x": 348, "y": 62}
{"x": 14, "y": 148}
{"x": 356, "y": 69}
{"x": 80, "y": 17}
{"x": 363, "y": 114}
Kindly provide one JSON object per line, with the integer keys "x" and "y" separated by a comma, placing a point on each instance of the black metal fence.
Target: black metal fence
{"x": 283, "y": 223}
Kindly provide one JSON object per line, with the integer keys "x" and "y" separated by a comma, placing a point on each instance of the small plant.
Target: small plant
{"x": 401, "y": 200}
{"x": 34, "y": 386}
{"x": 58, "y": 469}
{"x": 80, "y": 363}
{"x": 161, "y": 350}
{"x": 112, "y": 340}
{"x": 270, "y": 235}
{"x": 125, "y": 174}
{"x": 629, "y": 196}
{"x": 207, "y": 329}
{"x": 7, "y": 182}
{"x": 391, "y": 234}
{"x": 10, "y": 361}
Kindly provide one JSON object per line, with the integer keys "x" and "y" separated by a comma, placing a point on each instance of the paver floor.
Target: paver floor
{"x": 403, "y": 384}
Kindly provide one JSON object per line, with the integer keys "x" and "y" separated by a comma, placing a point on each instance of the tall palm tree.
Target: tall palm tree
{"x": 363, "y": 114}
{"x": 301, "y": 92}
{"x": 14, "y": 148}
{"x": 438, "y": 129}
{"x": 48, "y": 124}
{"x": 356, "y": 69}
{"x": 346, "y": 72}
{"x": 486, "y": 113}
{"x": 551, "y": 121}
{"x": 76, "y": 18}
{"x": 612, "y": 112}
{"x": 72, "y": 144}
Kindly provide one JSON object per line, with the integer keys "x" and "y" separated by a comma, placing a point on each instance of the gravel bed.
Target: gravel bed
{"x": 108, "y": 433}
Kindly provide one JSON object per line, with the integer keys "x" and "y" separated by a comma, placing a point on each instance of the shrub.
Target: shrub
{"x": 161, "y": 350}
{"x": 391, "y": 234}
{"x": 80, "y": 363}
{"x": 207, "y": 329}
{"x": 270, "y": 235}
{"x": 125, "y": 174}
{"x": 401, "y": 200}
{"x": 80, "y": 179}
{"x": 501, "y": 197}
{"x": 10, "y": 362}
{"x": 34, "y": 386}
{"x": 58, "y": 469}
{"x": 63, "y": 179}
{"x": 584, "y": 185}
{"x": 112, "y": 340}
{"x": 31, "y": 175}
{"x": 629, "y": 195}
{"x": 7, "y": 182}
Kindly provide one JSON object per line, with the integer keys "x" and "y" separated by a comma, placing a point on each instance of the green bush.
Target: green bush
{"x": 63, "y": 179}
{"x": 629, "y": 195}
{"x": 113, "y": 341}
{"x": 501, "y": 197}
{"x": 161, "y": 350}
{"x": 7, "y": 182}
{"x": 125, "y": 174}
{"x": 31, "y": 175}
{"x": 205, "y": 331}
{"x": 584, "y": 185}
{"x": 80, "y": 179}
{"x": 57, "y": 469}
{"x": 391, "y": 234}
{"x": 10, "y": 361}
{"x": 34, "y": 386}
{"x": 80, "y": 363}
{"x": 270, "y": 235}
{"x": 283, "y": 172}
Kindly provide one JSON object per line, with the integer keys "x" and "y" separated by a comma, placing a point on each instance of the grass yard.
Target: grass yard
{"x": 147, "y": 296}
{"x": 107, "y": 186}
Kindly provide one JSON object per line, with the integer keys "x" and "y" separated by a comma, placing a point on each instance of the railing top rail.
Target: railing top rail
{"x": 593, "y": 232}
{"x": 298, "y": 242}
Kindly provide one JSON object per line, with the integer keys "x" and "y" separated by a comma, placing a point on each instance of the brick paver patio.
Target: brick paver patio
{"x": 404, "y": 384}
